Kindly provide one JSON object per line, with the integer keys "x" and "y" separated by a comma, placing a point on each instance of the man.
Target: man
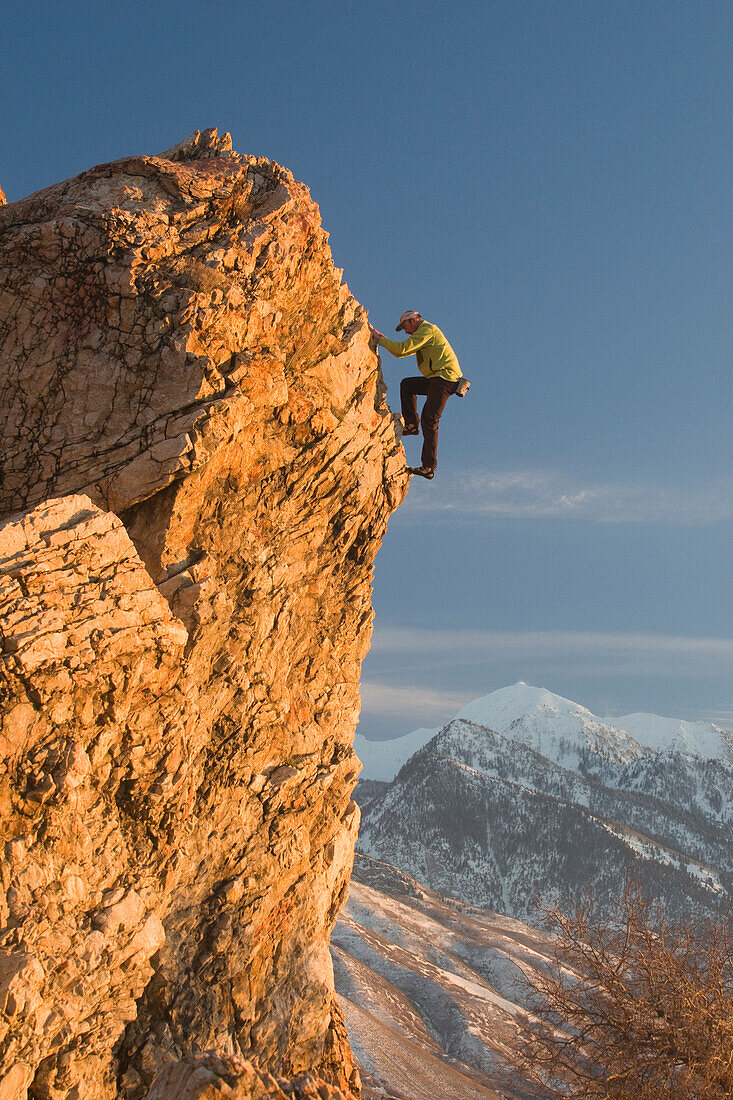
{"x": 440, "y": 372}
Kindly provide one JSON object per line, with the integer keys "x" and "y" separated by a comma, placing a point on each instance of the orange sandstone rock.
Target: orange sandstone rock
{"x": 199, "y": 468}
{"x": 213, "y": 1077}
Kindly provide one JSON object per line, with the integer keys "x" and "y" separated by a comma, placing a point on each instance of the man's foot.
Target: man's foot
{"x": 409, "y": 429}
{"x": 421, "y": 471}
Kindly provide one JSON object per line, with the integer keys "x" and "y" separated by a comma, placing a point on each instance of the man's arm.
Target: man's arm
{"x": 409, "y": 346}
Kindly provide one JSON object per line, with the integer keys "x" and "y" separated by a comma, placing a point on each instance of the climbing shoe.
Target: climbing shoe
{"x": 421, "y": 471}
{"x": 411, "y": 431}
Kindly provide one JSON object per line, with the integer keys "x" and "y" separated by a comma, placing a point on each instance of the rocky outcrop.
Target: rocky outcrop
{"x": 212, "y": 1077}
{"x": 199, "y": 465}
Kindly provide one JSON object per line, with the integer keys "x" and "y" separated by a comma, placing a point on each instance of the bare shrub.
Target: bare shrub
{"x": 199, "y": 276}
{"x": 633, "y": 1008}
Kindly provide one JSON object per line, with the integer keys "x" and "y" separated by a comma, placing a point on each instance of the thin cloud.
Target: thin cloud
{"x": 721, "y": 717}
{"x": 629, "y": 654}
{"x": 551, "y": 494}
{"x": 404, "y": 639}
{"x": 389, "y": 700}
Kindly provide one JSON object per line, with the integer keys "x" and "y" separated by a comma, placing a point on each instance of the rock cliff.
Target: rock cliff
{"x": 198, "y": 469}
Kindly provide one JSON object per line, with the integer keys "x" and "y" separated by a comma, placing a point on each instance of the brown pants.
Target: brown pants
{"x": 438, "y": 391}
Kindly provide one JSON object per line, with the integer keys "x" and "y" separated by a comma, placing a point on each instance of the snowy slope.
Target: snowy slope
{"x": 383, "y": 759}
{"x": 430, "y": 990}
{"x": 502, "y": 708}
{"x": 674, "y": 734}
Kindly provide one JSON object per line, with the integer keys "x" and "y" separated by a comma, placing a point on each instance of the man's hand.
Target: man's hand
{"x": 376, "y": 334}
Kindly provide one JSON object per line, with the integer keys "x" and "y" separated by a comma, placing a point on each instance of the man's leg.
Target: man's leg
{"x": 438, "y": 393}
{"x": 409, "y": 389}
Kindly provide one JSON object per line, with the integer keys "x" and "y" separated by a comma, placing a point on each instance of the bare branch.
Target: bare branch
{"x": 634, "y": 1009}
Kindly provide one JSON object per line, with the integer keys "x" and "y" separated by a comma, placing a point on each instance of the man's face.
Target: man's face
{"x": 412, "y": 325}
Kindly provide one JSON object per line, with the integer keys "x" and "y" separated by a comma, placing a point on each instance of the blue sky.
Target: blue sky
{"x": 550, "y": 182}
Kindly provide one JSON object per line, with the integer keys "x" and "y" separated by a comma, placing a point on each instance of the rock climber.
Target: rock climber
{"x": 441, "y": 376}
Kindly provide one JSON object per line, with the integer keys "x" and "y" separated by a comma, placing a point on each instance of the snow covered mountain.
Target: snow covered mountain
{"x": 561, "y": 730}
{"x": 555, "y": 802}
{"x": 676, "y": 735}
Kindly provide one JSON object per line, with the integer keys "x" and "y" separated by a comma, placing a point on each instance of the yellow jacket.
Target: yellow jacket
{"x": 435, "y": 356}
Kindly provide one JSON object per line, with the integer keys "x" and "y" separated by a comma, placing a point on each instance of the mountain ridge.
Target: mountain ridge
{"x": 487, "y": 817}
{"x": 560, "y": 729}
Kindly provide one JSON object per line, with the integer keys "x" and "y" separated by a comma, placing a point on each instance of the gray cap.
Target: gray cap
{"x": 406, "y": 316}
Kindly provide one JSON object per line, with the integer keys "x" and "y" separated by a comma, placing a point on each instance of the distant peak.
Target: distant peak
{"x": 522, "y": 697}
